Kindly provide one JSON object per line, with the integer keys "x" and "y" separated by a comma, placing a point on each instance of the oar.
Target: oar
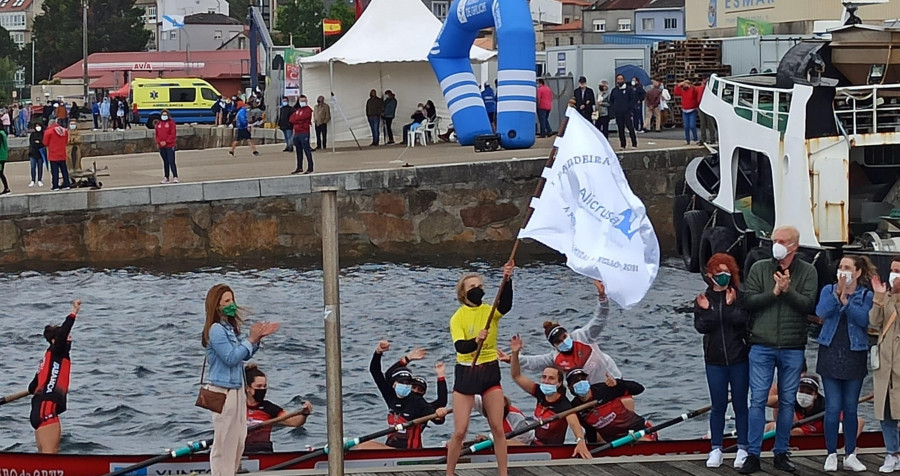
{"x": 13, "y": 397}
{"x": 797, "y": 424}
{"x": 634, "y": 436}
{"x": 483, "y": 445}
{"x": 355, "y": 441}
{"x": 196, "y": 446}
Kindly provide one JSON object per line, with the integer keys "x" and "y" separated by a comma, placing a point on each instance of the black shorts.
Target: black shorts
{"x": 478, "y": 379}
{"x": 242, "y": 134}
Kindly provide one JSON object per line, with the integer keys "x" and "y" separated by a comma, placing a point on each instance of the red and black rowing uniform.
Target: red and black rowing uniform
{"x": 51, "y": 383}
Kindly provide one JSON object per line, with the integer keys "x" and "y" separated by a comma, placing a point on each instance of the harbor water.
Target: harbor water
{"x": 136, "y": 353}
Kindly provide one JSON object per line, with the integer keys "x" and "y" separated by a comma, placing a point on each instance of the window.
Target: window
{"x": 671, "y": 24}
{"x": 557, "y": 41}
{"x": 208, "y": 94}
{"x": 217, "y": 35}
{"x": 566, "y": 21}
{"x": 182, "y": 94}
{"x": 648, "y": 24}
{"x": 599, "y": 26}
{"x": 571, "y": 41}
{"x": 439, "y": 9}
{"x": 173, "y": 35}
{"x": 624, "y": 24}
{"x": 150, "y": 14}
{"x": 18, "y": 3}
{"x": 18, "y": 38}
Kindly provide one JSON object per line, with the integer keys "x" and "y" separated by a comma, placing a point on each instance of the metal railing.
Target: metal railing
{"x": 766, "y": 106}
{"x": 868, "y": 109}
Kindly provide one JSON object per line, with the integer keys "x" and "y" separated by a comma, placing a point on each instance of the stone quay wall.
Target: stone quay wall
{"x": 464, "y": 210}
{"x": 141, "y": 140}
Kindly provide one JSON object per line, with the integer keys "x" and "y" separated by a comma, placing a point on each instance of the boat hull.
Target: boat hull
{"x": 30, "y": 464}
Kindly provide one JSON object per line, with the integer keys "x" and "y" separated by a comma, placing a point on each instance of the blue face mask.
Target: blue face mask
{"x": 565, "y": 345}
{"x": 548, "y": 389}
{"x": 581, "y": 388}
{"x": 402, "y": 390}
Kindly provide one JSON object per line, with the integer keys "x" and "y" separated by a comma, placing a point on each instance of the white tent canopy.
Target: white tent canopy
{"x": 387, "y": 48}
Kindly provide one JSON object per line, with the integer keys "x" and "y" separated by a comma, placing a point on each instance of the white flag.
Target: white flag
{"x": 588, "y": 212}
{"x": 172, "y": 22}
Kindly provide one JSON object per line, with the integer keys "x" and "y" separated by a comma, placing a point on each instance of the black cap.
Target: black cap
{"x": 576, "y": 375}
{"x": 810, "y": 382}
{"x": 582, "y": 79}
{"x": 420, "y": 382}
{"x": 402, "y": 375}
{"x": 554, "y": 334}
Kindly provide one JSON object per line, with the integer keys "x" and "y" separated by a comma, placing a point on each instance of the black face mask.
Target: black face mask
{"x": 474, "y": 296}
{"x": 259, "y": 394}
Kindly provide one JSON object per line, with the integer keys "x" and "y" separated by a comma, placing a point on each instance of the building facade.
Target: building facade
{"x": 154, "y": 10}
{"x": 611, "y": 16}
{"x": 568, "y": 32}
{"x": 719, "y": 18}
{"x": 201, "y": 32}
{"x": 662, "y": 19}
{"x": 17, "y": 17}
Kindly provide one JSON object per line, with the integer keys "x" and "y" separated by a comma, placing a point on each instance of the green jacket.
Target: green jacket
{"x": 4, "y": 146}
{"x": 780, "y": 321}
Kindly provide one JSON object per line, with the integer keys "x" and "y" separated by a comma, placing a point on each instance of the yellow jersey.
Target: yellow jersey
{"x": 466, "y": 323}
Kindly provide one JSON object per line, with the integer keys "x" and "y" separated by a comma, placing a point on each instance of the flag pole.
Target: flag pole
{"x": 515, "y": 248}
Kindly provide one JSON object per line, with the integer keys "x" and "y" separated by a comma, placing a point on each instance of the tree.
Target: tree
{"x": 238, "y": 9}
{"x": 303, "y": 20}
{"x": 341, "y": 11}
{"x": 113, "y": 25}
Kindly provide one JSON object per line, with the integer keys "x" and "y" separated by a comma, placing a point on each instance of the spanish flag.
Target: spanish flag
{"x": 331, "y": 27}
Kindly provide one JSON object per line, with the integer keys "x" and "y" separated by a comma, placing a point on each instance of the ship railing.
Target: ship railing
{"x": 766, "y": 106}
{"x": 868, "y": 109}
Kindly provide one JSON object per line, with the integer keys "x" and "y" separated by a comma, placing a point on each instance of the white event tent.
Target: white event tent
{"x": 387, "y": 48}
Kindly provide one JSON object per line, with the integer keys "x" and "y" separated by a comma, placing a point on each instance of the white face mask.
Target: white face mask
{"x": 73, "y": 126}
{"x": 892, "y": 277}
{"x": 164, "y": 117}
{"x": 805, "y": 400}
{"x": 847, "y": 276}
{"x": 302, "y": 103}
{"x": 779, "y": 251}
{"x": 634, "y": 83}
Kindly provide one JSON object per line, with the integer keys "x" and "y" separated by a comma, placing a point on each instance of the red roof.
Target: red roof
{"x": 571, "y": 26}
{"x": 106, "y": 69}
{"x": 14, "y": 5}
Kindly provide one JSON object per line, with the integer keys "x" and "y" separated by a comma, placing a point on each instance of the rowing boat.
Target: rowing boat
{"x": 31, "y": 464}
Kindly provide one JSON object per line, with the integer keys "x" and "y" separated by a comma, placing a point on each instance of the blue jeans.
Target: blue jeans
{"x": 841, "y": 396}
{"x": 37, "y": 169}
{"x": 44, "y": 155}
{"x": 763, "y": 362}
{"x": 544, "y": 121}
{"x": 719, "y": 377}
{"x": 690, "y": 125}
{"x": 288, "y": 136}
{"x": 301, "y": 142}
{"x": 374, "y": 125}
{"x": 639, "y": 116}
{"x": 168, "y": 157}
{"x": 891, "y": 436}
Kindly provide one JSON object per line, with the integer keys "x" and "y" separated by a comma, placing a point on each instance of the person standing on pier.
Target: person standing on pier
{"x": 284, "y": 123}
{"x": 374, "y": 111}
{"x": 390, "y": 112}
{"x": 321, "y": 118}
{"x": 690, "y": 105}
{"x": 622, "y": 103}
{"x": 584, "y": 99}
{"x": 242, "y": 130}
{"x": 51, "y": 384}
{"x": 779, "y": 294}
{"x": 886, "y": 304}
{"x": 467, "y": 329}
{"x": 301, "y": 120}
{"x": 166, "y": 135}
{"x": 56, "y": 137}
{"x": 4, "y": 155}
{"x": 226, "y": 351}
{"x": 35, "y": 155}
{"x": 721, "y": 319}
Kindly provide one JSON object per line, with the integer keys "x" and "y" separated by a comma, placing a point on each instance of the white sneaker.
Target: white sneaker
{"x": 890, "y": 464}
{"x": 175, "y": 180}
{"x": 715, "y": 458}
{"x": 852, "y": 463}
{"x": 165, "y": 180}
{"x": 831, "y": 462}
{"x": 31, "y": 184}
{"x": 40, "y": 184}
{"x": 740, "y": 458}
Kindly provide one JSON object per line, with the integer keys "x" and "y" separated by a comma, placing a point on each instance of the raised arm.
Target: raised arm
{"x": 591, "y": 332}
{"x": 441, "y": 386}
{"x": 375, "y": 370}
{"x": 516, "y": 370}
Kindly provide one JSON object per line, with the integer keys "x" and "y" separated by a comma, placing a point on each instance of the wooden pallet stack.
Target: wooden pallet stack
{"x": 676, "y": 61}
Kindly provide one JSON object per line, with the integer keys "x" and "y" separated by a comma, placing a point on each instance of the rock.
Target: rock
{"x": 439, "y": 226}
{"x": 387, "y": 229}
{"x": 180, "y": 241}
{"x": 499, "y": 233}
{"x": 350, "y": 225}
{"x": 420, "y": 200}
{"x": 59, "y": 243}
{"x": 390, "y": 203}
{"x": 298, "y": 225}
{"x": 483, "y": 215}
{"x": 275, "y": 206}
{"x": 9, "y": 235}
{"x": 201, "y": 215}
{"x": 239, "y": 233}
{"x": 118, "y": 241}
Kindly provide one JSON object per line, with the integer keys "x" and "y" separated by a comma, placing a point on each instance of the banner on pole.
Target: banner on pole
{"x": 331, "y": 27}
{"x": 588, "y": 212}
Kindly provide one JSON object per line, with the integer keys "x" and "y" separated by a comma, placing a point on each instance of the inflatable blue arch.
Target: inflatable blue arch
{"x": 516, "y": 89}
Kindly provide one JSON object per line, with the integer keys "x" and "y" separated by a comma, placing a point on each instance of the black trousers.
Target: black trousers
{"x": 387, "y": 124}
{"x": 321, "y": 136}
{"x": 603, "y": 125}
{"x": 625, "y": 121}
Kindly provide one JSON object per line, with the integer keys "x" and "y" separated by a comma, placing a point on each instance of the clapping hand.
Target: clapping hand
{"x": 730, "y": 296}
{"x": 262, "y": 329}
{"x": 782, "y": 281}
{"x": 703, "y": 301}
{"x": 877, "y": 285}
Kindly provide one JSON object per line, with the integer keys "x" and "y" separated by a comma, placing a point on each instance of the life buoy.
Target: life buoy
{"x": 516, "y": 92}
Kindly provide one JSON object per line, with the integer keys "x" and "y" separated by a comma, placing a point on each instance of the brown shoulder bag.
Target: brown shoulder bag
{"x": 209, "y": 399}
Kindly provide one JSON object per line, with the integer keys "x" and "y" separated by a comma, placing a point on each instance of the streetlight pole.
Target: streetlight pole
{"x": 84, "y": 46}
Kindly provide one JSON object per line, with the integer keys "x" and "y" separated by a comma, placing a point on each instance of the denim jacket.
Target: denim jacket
{"x": 226, "y": 354}
{"x": 857, "y": 310}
